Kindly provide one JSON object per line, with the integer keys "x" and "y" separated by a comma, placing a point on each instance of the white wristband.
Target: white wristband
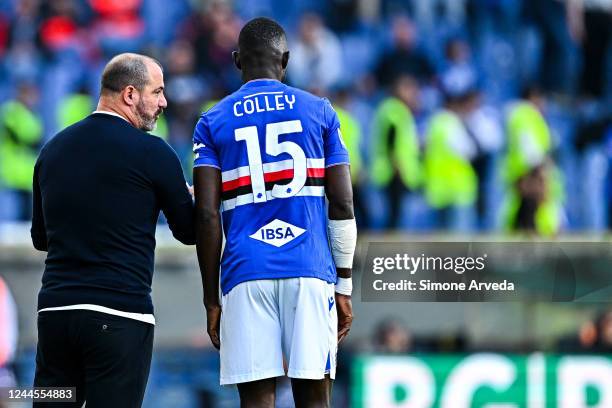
{"x": 344, "y": 286}
{"x": 342, "y": 241}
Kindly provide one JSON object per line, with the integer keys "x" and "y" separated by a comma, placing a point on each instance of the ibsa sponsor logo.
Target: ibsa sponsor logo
{"x": 277, "y": 233}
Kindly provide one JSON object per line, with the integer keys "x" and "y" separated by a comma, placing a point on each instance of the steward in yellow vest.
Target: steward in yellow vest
{"x": 21, "y": 133}
{"x": 535, "y": 188}
{"x": 451, "y": 182}
{"x": 395, "y": 162}
{"x": 73, "y": 108}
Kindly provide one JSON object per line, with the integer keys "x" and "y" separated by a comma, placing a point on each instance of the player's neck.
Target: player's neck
{"x": 261, "y": 75}
{"x": 263, "y": 79}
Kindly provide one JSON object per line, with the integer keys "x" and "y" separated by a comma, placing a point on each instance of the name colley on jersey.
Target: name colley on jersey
{"x": 263, "y": 102}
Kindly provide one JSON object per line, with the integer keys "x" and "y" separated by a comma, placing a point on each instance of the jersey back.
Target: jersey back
{"x": 272, "y": 144}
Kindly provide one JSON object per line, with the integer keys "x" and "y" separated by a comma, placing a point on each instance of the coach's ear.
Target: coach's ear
{"x": 130, "y": 95}
{"x": 236, "y": 57}
{"x": 285, "y": 59}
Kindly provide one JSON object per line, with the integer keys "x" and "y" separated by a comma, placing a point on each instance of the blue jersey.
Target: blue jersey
{"x": 272, "y": 144}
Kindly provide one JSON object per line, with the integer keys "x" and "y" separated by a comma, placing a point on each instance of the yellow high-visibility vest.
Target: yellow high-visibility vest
{"x": 20, "y": 133}
{"x": 450, "y": 179}
{"x": 403, "y": 155}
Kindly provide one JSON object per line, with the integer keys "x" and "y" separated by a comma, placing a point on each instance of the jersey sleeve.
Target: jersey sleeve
{"x": 334, "y": 147}
{"x": 203, "y": 146}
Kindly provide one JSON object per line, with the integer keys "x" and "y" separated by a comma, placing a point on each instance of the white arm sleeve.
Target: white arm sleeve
{"x": 342, "y": 240}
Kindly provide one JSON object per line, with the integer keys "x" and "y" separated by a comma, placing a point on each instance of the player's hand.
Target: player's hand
{"x": 213, "y": 319}
{"x": 345, "y": 315}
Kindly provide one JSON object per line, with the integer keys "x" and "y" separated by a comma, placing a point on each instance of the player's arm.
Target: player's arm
{"x": 342, "y": 232}
{"x": 341, "y": 227}
{"x": 207, "y": 186}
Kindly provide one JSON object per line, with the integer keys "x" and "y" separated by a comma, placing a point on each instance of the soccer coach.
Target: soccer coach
{"x": 98, "y": 188}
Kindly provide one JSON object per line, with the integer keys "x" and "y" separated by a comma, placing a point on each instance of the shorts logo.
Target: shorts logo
{"x": 277, "y": 233}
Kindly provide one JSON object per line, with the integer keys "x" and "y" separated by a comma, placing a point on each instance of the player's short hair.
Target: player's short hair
{"x": 124, "y": 70}
{"x": 261, "y": 33}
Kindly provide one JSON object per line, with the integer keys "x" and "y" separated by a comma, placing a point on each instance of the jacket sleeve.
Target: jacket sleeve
{"x": 38, "y": 230}
{"x": 171, "y": 189}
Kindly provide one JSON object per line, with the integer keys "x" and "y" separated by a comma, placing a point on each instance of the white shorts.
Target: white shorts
{"x": 264, "y": 321}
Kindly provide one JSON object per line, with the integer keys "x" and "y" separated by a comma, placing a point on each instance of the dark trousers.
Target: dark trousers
{"x": 395, "y": 195}
{"x": 106, "y": 357}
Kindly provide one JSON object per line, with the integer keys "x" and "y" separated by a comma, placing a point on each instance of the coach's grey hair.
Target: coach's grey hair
{"x": 126, "y": 69}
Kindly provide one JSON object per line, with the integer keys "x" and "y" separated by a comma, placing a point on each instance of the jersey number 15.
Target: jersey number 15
{"x": 250, "y": 136}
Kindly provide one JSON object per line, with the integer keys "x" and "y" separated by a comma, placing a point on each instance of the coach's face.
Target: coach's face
{"x": 152, "y": 100}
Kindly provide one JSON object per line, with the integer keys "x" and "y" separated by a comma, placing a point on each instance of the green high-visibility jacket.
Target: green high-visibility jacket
{"x": 396, "y": 145}
{"x": 450, "y": 179}
{"x": 528, "y": 140}
{"x": 20, "y": 133}
{"x": 351, "y": 134}
{"x": 73, "y": 108}
{"x": 548, "y": 214}
{"x": 529, "y": 144}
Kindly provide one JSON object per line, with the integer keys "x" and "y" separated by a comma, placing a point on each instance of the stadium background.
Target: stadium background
{"x": 477, "y": 58}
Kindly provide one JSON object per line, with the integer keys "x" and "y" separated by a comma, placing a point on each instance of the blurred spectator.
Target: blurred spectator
{"x": 24, "y": 24}
{"x": 74, "y": 107}
{"x": 316, "y": 56}
{"x": 20, "y": 138}
{"x": 486, "y": 16}
{"x": 604, "y": 332}
{"x": 431, "y": 12}
{"x": 344, "y": 14}
{"x": 392, "y": 337}
{"x": 484, "y": 124}
{"x": 590, "y": 24}
{"x": 23, "y": 56}
{"x": 534, "y": 185}
{"x": 404, "y": 57}
{"x": 451, "y": 182}
{"x": 59, "y": 28}
{"x": 459, "y": 61}
{"x": 8, "y": 335}
{"x": 556, "y": 68}
{"x": 185, "y": 92}
{"x": 584, "y": 341}
{"x": 4, "y": 30}
{"x": 351, "y": 134}
{"x": 118, "y": 25}
{"x": 593, "y": 336}
{"x": 593, "y": 134}
{"x": 214, "y": 33}
{"x": 395, "y": 162}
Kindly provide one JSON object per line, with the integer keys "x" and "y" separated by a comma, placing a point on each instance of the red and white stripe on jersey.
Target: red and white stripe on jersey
{"x": 237, "y": 189}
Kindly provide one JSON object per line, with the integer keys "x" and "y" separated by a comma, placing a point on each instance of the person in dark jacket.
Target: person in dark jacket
{"x": 99, "y": 186}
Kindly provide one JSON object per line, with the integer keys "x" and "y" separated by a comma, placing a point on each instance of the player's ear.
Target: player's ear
{"x": 236, "y": 57}
{"x": 285, "y": 59}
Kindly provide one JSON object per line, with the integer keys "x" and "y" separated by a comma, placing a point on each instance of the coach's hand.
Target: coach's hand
{"x": 213, "y": 319}
{"x": 345, "y": 315}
